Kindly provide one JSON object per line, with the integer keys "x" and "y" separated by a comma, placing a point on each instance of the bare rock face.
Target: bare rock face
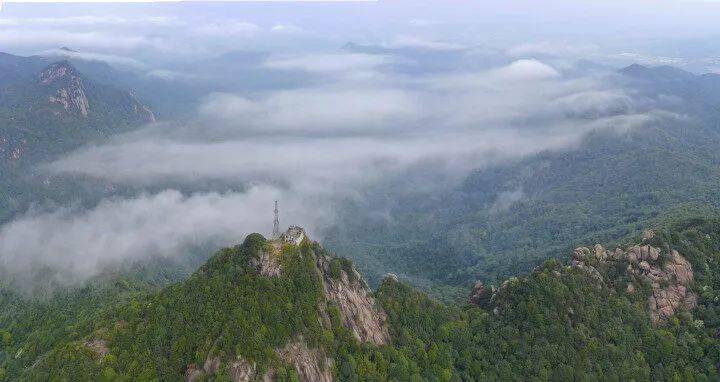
{"x": 267, "y": 264}
{"x": 71, "y": 90}
{"x": 359, "y": 312}
{"x": 192, "y": 373}
{"x": 665, "y": 300}
{"x": 670, "y": 279}
{"x": 294, "y": 235}
{"x": 141, "y": 109}
{"x": 211, "y": 366}
{"x": 98, "y": 346}
{"x": 311, "y": 364}
{"x": 480, "y": 295}
{"x": 348, "y": 291}
{"x": 242, "y": 371}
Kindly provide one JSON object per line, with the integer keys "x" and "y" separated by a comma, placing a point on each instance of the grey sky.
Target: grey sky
{"x": 603, "y": 30}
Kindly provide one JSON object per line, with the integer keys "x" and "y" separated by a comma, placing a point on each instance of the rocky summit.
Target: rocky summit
{"x": 70, "y": 92}
{"x": 288, "y": 310}
{"x": 668, "y": 274}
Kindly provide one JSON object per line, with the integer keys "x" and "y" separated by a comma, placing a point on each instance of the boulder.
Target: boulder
{"x": 480, "y": 295}
{"x": 645, "y": 266}
{"x": 670, "y": 281}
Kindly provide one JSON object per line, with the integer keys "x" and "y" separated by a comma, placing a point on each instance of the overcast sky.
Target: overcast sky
{"x": 682, "y": 32}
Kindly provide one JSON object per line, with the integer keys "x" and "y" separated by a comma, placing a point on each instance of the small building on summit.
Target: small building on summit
{"x": 294, "y": 235}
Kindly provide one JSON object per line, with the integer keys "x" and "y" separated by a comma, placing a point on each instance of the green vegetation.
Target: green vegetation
{"x": 36, "y": 130}
{"x": 556, "y": 324}
{"x": 608, "y": 189}
{"x": 224, "y": 309}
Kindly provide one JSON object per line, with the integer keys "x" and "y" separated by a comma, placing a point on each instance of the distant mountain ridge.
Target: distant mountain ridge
{"x": 57, "y": 108}
{"x": 49, "y": 108}
{"x": 607, "y": 187}
{"x": 664, "y": 72}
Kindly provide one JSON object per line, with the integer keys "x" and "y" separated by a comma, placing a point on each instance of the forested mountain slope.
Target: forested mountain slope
{"x": 58, "y": 109}
{"x": 49, "y": 108}
{"x": 505, "y": 219}
{"x": 286, "y": 311}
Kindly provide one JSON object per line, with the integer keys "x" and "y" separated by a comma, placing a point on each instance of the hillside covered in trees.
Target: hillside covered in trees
{"x": 507, "y": 218}
{"x": 267, "y": 309}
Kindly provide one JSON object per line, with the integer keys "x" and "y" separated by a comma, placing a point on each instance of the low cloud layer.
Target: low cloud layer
{"x": 77, "y": 244}
{"x": 347, "y": 122}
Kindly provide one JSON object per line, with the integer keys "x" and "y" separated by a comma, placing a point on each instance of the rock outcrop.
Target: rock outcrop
{"x": 344, "y": 289}
{"x": 99, "y": 347}
{"x": 359, "y": 311}
{"x": 267, "y": 264}
{"x": 294, "y": 235}
{"x": 70, "y": 88}
{"x": 669, "y": 275}
{"x": 75, "y": 95}
{"x": 665, "y": 300}
{"x": 480, "y": 295}
{"x": 242, "y": 370}
{"x": 311, "y": 364}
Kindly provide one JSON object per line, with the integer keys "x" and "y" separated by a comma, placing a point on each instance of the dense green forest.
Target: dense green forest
{"x": 557, "y": 323}
{"x": 36, "y": 130}
{"x": 152, "y": 321}
{"x": 506, "y": 219}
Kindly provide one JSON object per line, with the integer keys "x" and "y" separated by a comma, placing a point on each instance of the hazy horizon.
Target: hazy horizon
{"x": 316, "y": 103}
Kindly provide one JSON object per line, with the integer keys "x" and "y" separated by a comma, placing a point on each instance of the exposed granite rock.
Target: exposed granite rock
{"x": 267, "y": 264}
{"x": 347, "y": 290}
{"x": 359, "y": 312}
{"x": 480, "y": 294}
{"x": 677, "y": 274}
{"x": 70, "y": 88}
{"x": 670, "y": 280}
{"x": 71, "y": 92}
{"x": 294, "y": 235}
{"x": 242, "y": 370}
{"x": 648, "y": 235}
{"x": 192, "y": 373}
{"x": 211, "y": 365}
{"x": 98, "y": 346}
{"x": 141, "y": 109}
{"x": 311, "y": 364}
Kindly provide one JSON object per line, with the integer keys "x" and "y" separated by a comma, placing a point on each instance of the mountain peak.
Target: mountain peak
{"x": 58, "y": 70}
{"x": 71, "y": 90}
{"x": 664, "y": 72}
{"x": 293, "y": 235}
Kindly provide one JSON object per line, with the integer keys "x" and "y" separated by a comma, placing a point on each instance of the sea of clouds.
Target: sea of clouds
{"x": 353, "y": 119}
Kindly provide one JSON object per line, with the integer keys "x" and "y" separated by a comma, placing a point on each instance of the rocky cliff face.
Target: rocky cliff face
{"x": 346, "y": 289}
{"x": 74, "y": 95}
{"x": 669, "y": 275}
{"x": 666, "y": 276}
{"x": 310, "y": 364}
{"x": 70, "y": 92}
{"x": 359, "y": 311}
{"x": 343, "y": 288}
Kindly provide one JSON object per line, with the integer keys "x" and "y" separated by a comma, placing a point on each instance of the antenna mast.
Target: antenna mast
{"x": 276, "y": 223}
